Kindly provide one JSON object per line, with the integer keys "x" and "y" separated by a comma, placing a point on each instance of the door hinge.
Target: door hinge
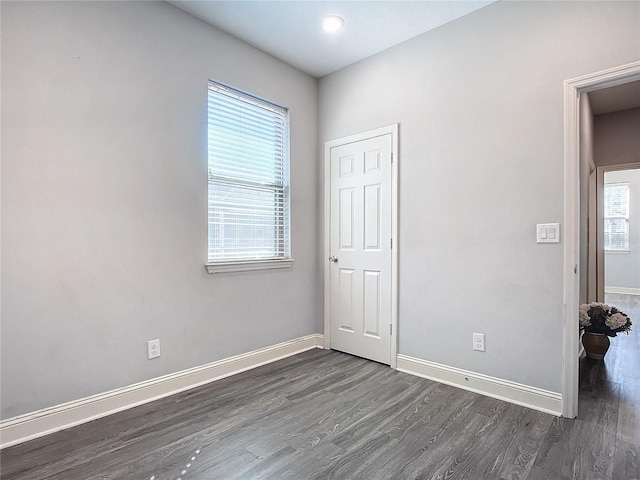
{"x": 392, "y": 158}
{"x": 391, "y": 329}
{"x": 391, "y": 242}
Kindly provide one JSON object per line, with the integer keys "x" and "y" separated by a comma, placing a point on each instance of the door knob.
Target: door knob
{"x": 333, "y": 259}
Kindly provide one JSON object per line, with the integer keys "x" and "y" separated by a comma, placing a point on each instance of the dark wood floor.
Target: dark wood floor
{"x": 327, "y": 415}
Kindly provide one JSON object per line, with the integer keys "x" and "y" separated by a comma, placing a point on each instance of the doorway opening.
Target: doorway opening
{"x": 579, "y": 175}
{"x": 621, "y": 232}
{"x": 621, "y": 273}
{"x": 612, "y": 379}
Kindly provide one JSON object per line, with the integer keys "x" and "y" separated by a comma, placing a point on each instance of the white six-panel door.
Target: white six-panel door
{"x": 360, "y": 254}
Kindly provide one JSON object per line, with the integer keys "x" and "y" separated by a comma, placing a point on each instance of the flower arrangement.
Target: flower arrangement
{"x": 601, "y": 318}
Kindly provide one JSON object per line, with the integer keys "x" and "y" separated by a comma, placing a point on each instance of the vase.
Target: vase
{"x": 595, "y": 345}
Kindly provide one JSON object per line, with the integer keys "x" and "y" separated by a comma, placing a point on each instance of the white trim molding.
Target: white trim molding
{"x": 512, "y": 392}
{"x": 249, "y": 265}
{"x": 622, "y": 290}
{"x": 573, "y": 88}
{"x": 60, "y": 417}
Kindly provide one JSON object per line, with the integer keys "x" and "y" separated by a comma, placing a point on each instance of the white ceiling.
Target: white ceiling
{"x": 291, "y": 31}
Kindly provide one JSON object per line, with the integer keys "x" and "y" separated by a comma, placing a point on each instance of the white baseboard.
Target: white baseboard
{"x": 622, "y": 290}
{"x": 49, "y": 420}
{"x": 524, "y": 395}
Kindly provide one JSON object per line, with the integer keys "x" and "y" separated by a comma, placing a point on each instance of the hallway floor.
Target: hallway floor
{"x": 604, "y": 441}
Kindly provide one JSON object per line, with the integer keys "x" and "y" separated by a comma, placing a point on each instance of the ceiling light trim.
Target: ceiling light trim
{"x": 332, "y": 23}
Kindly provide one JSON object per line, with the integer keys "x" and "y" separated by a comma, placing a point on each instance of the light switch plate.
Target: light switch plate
{"x": 548, "y": 233}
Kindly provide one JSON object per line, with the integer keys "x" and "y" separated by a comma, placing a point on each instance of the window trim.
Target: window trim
{"x": 230, "y": 265}
{"x": 248, "y": 265}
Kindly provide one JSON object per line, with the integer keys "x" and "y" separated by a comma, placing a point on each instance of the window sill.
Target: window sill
{"x": 248, "y": 265}
{"x": 618, "y": 252}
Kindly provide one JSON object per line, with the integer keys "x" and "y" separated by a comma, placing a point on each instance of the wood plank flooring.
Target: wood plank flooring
{"x": 328, "y": 415}
{"x": 604, "y": 441}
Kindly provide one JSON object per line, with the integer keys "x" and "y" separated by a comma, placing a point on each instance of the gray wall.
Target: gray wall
{"x": 586, "y": 167}
{"x": 480, "y": 107}
{"x": 104, "y": 200}
{"x": 623, "y": 269}
{"x": 616, "y": 138}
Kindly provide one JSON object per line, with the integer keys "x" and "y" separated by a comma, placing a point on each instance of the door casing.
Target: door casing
{"x": 571, "y": 265}
{"x": 393, "y": 130}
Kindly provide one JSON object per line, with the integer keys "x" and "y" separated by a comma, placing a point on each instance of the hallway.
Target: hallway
{"x": 609, "y": 401}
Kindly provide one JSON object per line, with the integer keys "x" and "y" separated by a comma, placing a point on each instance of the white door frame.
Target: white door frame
{"x": 393, "y": 130}
{"x": 572, "y": 90}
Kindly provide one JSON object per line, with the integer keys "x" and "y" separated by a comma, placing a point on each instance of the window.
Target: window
{"x": 248, "y": 142}
{"x": 616, "y": 217}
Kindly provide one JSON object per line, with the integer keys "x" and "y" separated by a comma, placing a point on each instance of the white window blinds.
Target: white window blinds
{"x": 616, "y": 217}
{"x": 248, "y": 142}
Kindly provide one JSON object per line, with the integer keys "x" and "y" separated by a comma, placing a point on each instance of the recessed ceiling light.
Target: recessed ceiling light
{"x": 332, "y": 23}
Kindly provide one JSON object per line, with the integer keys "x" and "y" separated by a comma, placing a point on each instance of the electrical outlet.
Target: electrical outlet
{"x": 153, "y": 348}
{"x": 478, "y": 341}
